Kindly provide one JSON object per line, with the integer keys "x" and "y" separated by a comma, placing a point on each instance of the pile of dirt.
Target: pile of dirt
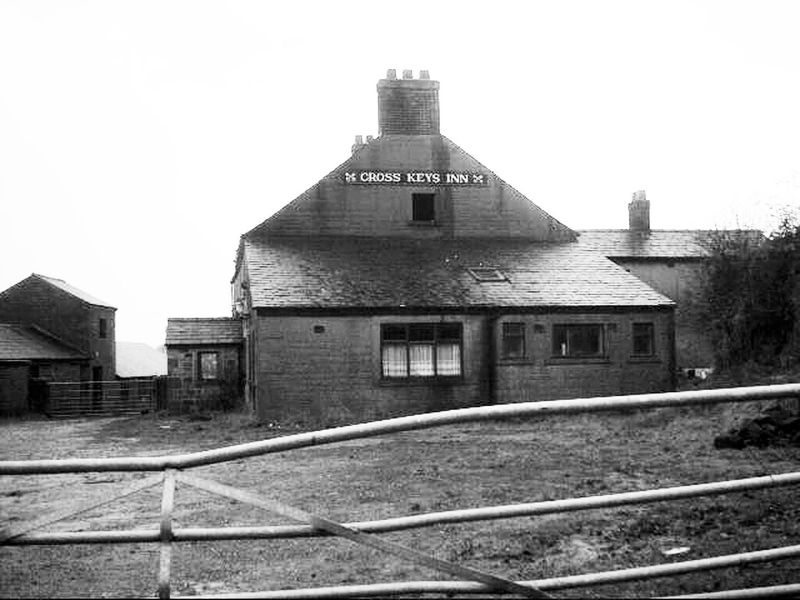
{"x": 775, "y": 426}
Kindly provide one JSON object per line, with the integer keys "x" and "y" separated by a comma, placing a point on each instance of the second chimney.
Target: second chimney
{"x": 639, "y": 213}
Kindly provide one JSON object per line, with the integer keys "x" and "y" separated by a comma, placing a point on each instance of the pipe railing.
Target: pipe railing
{"x": 363, "y": 532}
{"x": 396, "y": 425}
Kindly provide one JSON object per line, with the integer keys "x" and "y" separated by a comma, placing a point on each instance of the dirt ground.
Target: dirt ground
{"x": 446, "y": 468}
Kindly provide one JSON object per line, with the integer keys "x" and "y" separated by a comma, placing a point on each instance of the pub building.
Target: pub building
{"x": 412, "y": 278}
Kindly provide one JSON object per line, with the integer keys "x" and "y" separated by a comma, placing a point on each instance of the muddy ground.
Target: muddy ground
{"x": 402, "y": 474}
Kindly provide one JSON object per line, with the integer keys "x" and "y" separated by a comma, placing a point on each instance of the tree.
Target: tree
{"x": 750, "y": 297}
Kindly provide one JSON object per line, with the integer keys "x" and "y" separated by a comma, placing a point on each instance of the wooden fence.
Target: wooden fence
{"x": 174, "y": 468}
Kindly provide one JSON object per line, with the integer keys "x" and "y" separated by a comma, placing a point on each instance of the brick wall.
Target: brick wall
{"x": 189, "y": 393}
{"x": 13, "y": 389}
{"x": 542, "y": 376}
{"x": 679, "y": 281}
{"x": 332, "y": 374}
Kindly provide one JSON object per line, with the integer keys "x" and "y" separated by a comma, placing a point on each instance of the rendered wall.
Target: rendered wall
{"x": 542, "y": 376}
{"x": 335, "y": 376}
{"x": 333, "y": 207}
{"x": 680, "y": 281}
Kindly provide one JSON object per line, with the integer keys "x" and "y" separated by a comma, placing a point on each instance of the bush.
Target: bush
{"x": 750, "y": 298}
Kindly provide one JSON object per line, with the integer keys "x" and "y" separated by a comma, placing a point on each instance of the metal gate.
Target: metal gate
{"x": 100, "y": 398}
{"x": 469, "y": 581}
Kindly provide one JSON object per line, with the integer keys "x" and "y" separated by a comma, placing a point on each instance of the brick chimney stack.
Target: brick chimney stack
{"x": 408, "y": 106}
{"x": 639, "y": 213}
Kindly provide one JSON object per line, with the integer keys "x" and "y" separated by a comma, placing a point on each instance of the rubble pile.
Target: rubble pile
{"x": 775, "y": 426}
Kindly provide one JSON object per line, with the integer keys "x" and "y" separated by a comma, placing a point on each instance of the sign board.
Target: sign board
{"x": 415, "y": 178}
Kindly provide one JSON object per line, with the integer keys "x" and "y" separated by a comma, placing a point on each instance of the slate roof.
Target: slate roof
{"x": 219, "y": 330}
{"x": 658, "y": 243}
{"x": 19, "y": 342}
{"x": 71, "y": 289}
{"x": 351, "y": 272}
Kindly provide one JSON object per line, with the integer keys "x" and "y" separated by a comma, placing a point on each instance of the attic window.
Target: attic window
{"x": 485, "y": 274}
{"x": 423, "y": 208}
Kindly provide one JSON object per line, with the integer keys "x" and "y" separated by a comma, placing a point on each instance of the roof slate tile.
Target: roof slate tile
{"x": 20, "y": 342}
{"x": 658, "y": 243}
{"x": 350, "y": 272}
{"x": 222, "y": 330}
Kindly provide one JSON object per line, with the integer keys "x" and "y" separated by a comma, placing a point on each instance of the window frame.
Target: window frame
{"x": 418, "y": 211}
{"x": 437, "y": 339}
{"x": 201, "y": 375}
{"x": 651, "y": 331}
{"x": 506, "y": 336}
{"x": 573, "y": 328}
{"x": 102, "y": 328}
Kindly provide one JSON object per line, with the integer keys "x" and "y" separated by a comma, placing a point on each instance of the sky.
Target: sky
{"x": 140, "y": 139}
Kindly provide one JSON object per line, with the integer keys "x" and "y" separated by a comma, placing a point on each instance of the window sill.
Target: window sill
{"x": 644, "y": 359}
{"x": 576, "y": 360}
{"x": 423, "y": 223}
{"x": 420, "y": 381}
{"x": 511, "y": 362}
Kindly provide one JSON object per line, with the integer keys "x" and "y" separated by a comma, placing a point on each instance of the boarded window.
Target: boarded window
{"x": 423, "y": 207}
{"x": 421, "y": 350}
{"x": 643, "y": 339}
{"x": 208, "y": 365}
{"x": 578, "y": 340}
{"x": 513, "y": 341}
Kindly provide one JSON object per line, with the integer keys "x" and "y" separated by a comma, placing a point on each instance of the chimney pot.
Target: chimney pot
{"x": 391, "y": 74}
{"x": 424, "y": 75}
{"x": 369, "y": 139}
{"x": 408, "y": 74}
{"x": 358, "y": 144}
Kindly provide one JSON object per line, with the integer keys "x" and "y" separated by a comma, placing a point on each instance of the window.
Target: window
{"x": 103, "y": 328}
{"x": 423, "y": 208}
{"x": 421, "y": 350}
{"x": 513, "y": 342}
{"x": 578, "y": 341}
{"x": 643, "y": 339}
{"x": 207, "y": 365}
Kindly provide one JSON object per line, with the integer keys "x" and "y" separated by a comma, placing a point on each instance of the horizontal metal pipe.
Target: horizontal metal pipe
{"x": 199, "y": 534}
{"x": 554, "y": 583}
{"x": 413, "y": 422}
{"x": 791, "y": 590}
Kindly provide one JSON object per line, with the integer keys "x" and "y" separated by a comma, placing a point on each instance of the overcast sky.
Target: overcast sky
{"x": 139, "y": 140}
